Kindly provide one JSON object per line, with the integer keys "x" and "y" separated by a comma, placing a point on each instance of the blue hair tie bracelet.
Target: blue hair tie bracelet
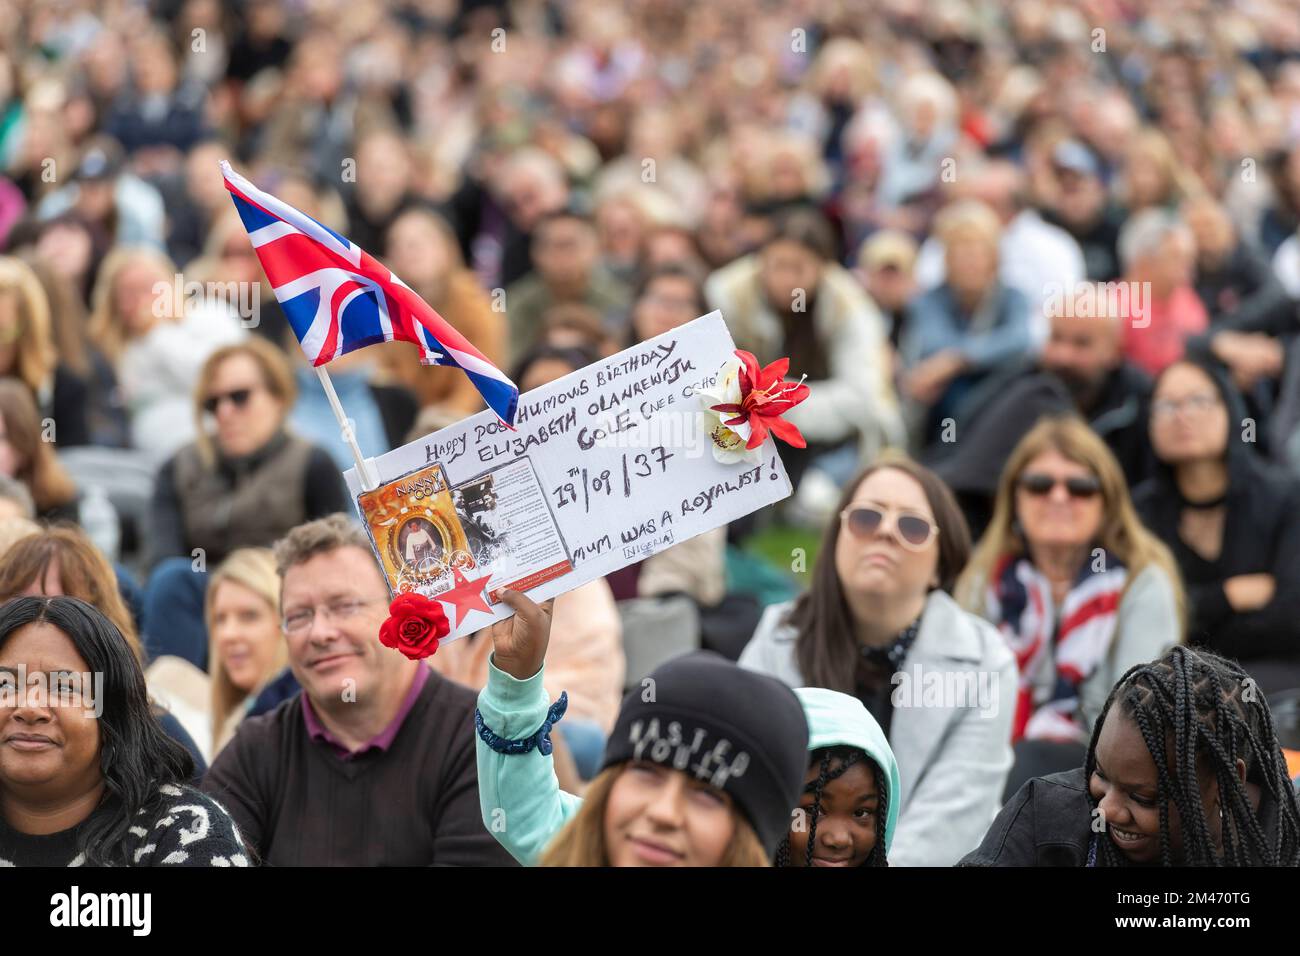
{"x": 541, "y": 740}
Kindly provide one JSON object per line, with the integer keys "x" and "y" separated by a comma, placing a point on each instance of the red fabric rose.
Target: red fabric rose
{"x": 415, "y": 625}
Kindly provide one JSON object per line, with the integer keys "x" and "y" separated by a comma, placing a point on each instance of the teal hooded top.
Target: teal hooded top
{"x": 521, "y": 800}
{"x": 839, "y": 720}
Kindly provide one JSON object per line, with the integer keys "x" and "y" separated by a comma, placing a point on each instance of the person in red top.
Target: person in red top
{"x": 1158, "y": 254}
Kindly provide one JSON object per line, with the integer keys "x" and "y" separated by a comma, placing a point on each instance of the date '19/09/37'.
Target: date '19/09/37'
{"x": 585, "y": 484}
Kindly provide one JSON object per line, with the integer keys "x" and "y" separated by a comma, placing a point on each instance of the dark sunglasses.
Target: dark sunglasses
{"x": 238, "y": 397}
{"x": 865, "y": 521}
{"x": 1077, "y": 486}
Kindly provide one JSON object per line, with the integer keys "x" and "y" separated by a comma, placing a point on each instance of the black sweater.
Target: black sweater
{"x": 1261, "y": 534}
{"x": 181, "y": 828}
{"x": 415, "y": 804}
{"x": 1242, "y": 294}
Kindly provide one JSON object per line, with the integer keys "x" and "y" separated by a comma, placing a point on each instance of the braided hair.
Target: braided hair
{"x": 1197, "y": 701}
{"x": 833, "y": 763}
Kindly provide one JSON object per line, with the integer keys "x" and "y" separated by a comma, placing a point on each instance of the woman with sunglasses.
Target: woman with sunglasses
{"x": 1231, "y": 519}
{"x": 878, "y": 623}
{"x": 243, "y": 483}
{"x": 1078, "y": 587}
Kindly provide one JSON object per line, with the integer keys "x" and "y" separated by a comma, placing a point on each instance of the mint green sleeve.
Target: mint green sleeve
{"x": 519, "y": 794}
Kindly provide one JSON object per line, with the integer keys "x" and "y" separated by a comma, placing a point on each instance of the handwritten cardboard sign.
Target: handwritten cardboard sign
{"x": 606, "y": 466}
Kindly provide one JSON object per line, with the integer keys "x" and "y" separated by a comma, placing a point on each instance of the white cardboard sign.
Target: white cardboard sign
{"x": 606, "y": 466}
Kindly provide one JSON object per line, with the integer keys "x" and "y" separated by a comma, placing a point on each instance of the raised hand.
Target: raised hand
{"x": 519, "y": 642}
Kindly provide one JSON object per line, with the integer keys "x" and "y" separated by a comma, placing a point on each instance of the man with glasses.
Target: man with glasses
{"x": 373, "y": 762}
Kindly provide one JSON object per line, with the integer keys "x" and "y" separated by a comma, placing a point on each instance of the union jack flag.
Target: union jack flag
{"x": 339, "y": 298}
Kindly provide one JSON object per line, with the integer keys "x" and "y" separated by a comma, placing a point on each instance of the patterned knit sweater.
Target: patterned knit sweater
{"x": 182, "y": 828}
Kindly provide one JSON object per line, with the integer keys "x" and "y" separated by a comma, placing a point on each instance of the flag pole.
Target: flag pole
{"x": 365, "y": 470}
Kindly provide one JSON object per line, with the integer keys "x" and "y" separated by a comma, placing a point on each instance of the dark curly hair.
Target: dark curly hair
{"x": 1196, "y": 703}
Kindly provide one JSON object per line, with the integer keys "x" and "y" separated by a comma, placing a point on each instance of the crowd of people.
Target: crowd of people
{"x": 1038, "y": 262}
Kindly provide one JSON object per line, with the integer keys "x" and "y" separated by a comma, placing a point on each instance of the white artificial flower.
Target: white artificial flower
{"x": 727, "y": 441}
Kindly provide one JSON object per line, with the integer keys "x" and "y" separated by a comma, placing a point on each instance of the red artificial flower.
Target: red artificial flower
{"x": 765, "y": 396}
{"x": 415, "y": 625}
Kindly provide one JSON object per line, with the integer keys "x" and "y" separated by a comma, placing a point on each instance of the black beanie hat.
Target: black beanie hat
{"x": 740, "y": 731}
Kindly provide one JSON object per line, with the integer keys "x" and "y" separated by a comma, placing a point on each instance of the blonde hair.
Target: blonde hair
{"x": 277, "y": 376}
{"x": 36, "y": 353}
{"x": 582, "y": 840}
{"x": 1178, "y": 182}
{"x": 1121, "y": 533}
{"x": 105, "y": 327}
{"x": 967, "y": 220}
{"x": 254, "y": 569}
{"x": 773, "y": 148}
{"x": 843, "y": 53}
{"x": 13, "y": 529}
{"x": 928, "y": 86}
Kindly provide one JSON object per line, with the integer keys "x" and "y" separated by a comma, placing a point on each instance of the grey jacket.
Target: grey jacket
{"x": 954, "y": 701}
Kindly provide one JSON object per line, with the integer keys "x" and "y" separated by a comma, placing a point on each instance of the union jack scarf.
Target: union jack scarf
{"x": 1019, "y": 602}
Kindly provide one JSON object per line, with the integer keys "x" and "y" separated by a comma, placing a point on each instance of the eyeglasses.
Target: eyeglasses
{"x": 914, "y": 531}
{"x": 238, "y": 397}
{"x": 1198, "y": 404}
{"x": 1078, "y": 486}
{"x": 299, "y": 621}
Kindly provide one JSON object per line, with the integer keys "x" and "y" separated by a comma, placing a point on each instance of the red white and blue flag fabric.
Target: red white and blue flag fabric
{"x": 339, "y": 298}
